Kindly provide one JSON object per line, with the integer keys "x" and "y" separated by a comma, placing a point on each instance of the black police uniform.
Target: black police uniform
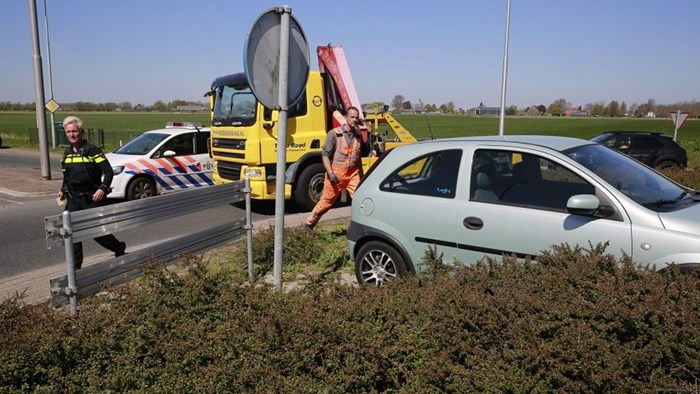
{"x": 82, "y": 176}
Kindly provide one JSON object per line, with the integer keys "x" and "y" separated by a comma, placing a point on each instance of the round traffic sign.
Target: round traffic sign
{"x": 262, "y": 58}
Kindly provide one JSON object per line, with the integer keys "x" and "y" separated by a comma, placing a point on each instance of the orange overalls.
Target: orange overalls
{"x": 343, "y": 165}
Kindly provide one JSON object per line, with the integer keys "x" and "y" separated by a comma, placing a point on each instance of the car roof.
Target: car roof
{"x": 628, "y": 132}
{"x": 552, "y": 142}
{"x": 177, "y": 130}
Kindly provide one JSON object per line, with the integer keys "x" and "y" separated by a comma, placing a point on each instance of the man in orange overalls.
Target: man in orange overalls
{"x": 344, "y": 147}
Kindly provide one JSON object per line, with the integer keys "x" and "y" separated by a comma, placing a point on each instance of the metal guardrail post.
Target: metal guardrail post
{"x": 72, "y": 290}
{"x": 249, "y": 228}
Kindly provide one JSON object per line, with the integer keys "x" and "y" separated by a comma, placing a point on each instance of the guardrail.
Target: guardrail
{"x": 70, "y": 227}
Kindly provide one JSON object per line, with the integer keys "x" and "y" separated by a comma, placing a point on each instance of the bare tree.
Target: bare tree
{"x": 397, "y": 101}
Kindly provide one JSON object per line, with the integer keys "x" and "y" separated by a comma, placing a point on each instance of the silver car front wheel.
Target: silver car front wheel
{"x": 378, "y": 263}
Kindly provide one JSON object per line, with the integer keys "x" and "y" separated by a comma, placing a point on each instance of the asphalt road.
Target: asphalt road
{"x": 23, "y": 242}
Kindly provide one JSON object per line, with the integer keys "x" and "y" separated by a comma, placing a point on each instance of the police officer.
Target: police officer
{"x": 83, "y": 166}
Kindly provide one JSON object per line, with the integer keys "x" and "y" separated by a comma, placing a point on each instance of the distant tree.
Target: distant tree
{"x": 407, "y": 106}
{"x": 542, "y": 108}
{"x": 159, "y": 106}
{"x": 397, "y": 101}
{"x": 512, "y": 110}
{"x": 557, "y": 107}
{"x": 126, "y": 106}
{"x": 623, "y": 109}
{"x": 614, "y": 108}
{"x": 651, "y": 105}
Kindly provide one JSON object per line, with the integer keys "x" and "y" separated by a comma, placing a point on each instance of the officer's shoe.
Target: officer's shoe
{"x": 122, "y": 249}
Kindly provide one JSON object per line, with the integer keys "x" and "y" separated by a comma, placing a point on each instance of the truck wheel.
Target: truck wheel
{"x": 140, "y": 187}
{"x": 309, "y": 187}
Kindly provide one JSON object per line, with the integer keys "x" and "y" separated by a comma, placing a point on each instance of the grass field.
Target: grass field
{"x": 18, "y": 128}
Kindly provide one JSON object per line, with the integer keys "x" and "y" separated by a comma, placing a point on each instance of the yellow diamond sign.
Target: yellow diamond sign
{"x": 52, "y": 106}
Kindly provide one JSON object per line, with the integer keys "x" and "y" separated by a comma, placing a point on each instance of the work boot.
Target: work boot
{"x": 122, "y": 249}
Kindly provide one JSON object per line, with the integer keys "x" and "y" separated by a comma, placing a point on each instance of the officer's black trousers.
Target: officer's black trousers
{"x": 108, "y": 241}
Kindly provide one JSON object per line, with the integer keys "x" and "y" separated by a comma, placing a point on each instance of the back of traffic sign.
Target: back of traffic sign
{"x": 262, "y": 58}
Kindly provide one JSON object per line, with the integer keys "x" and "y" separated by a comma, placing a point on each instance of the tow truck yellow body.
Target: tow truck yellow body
{"x": 244, "y": 135}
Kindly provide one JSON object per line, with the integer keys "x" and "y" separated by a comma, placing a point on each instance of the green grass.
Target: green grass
{"x": 18, "y": 128}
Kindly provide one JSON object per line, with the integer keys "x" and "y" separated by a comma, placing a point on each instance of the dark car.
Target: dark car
{"x": 651, "y": 148}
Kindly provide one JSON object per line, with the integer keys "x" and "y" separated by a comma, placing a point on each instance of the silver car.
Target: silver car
{"x": 483, "y": 197}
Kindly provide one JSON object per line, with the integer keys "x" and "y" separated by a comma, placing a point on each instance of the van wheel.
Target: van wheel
{"x": 140, "y": 188}
{"x": 309, "y": 187}
{"x": 378, "y": 263}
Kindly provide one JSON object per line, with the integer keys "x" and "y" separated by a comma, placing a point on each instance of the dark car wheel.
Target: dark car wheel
{"x": 377, "y": 263}
{"x": 667, "y": 164}
{"x": 140, "y": 188}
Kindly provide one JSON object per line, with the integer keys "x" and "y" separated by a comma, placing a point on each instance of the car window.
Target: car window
{"x": 515, "y": 178}
{"x": 433, "y": 175}
{"x": 645, "y": 143}
{"x": 182, "y": 144}
{"x": 202, "y": 143}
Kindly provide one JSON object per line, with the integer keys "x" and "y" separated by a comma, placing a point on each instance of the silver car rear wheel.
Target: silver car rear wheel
{"x": 378, "y": 263}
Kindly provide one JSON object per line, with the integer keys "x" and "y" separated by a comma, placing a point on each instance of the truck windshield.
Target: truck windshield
{"x": 234, "y": 107}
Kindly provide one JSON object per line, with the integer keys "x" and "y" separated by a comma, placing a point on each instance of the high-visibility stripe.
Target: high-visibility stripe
{"x": 171, "y": 173}
{"x": 147, "y": 164}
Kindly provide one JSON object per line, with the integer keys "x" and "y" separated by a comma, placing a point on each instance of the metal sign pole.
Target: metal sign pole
{"x": 281, "y": 147}
{"x": 249, "y": 228}
{"x": 70, "y": 263}
{"x": 675, "y": 124}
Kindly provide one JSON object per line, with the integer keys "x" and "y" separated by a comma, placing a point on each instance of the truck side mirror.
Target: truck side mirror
{"x": 274, "y": 118}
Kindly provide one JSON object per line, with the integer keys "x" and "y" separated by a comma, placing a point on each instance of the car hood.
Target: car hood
{"x": 685, "y": 220}
{"x": 116, "y": 159}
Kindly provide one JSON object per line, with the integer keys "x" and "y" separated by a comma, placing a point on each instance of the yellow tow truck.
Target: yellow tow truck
{"x": 244, "y": 141}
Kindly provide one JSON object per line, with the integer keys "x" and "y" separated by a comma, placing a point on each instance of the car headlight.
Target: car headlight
{"x": 253, "y": 172}
{"x": 117, "y": 169}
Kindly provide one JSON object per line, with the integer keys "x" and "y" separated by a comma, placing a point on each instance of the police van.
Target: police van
{"x": 164, "y": 160}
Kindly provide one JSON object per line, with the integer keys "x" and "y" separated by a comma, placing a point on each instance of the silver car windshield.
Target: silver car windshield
{"x": 635, "y": 180}
{"x": 142, "y": 144}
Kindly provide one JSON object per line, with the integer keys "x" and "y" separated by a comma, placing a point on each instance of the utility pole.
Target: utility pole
{"x": 39, "y": 94}
{"x": 502, "y": 118}
{"x": 48, "y": 53}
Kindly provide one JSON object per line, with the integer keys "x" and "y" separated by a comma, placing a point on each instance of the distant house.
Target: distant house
{"x": 576, "y": 112}
{"x": 651, "y": 114}
{"x": 484, "y": 110}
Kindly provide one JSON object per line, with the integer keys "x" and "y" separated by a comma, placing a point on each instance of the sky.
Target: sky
{"x": 435, "y": 51}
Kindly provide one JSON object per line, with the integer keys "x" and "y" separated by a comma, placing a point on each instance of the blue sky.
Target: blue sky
{"x": 437, "y": 51}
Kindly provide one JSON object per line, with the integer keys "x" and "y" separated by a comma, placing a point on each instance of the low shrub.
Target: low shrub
{"x": 577, "y": 320}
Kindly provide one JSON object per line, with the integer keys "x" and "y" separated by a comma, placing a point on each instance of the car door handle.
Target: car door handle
{"x": 473, "y": 223}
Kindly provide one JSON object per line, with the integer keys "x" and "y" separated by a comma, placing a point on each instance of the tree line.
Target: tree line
{"x": 158, "y": 106}
{"x": 558, "y": 107}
